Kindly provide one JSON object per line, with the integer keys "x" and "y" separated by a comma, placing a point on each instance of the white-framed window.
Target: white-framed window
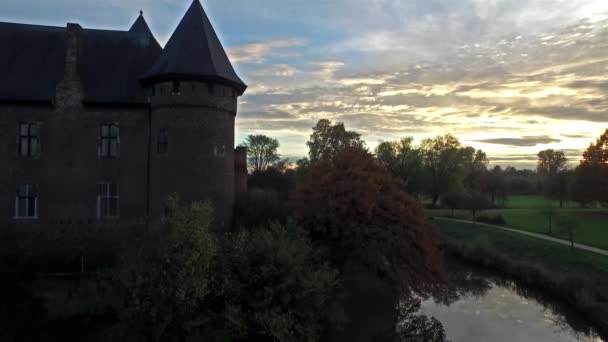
{"x": 219, "y": 150}
{"x": 109, "y": 141}
{"x": 26, "y": 202}
{"x": 107, "y": 200}
{"x": 29, "y": 140}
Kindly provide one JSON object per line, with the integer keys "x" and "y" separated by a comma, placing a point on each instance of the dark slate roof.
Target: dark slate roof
{"x": 113, "y": 61}
{"x": 195, "y": 52}
{"x": 140, "y": 26}
{"x": 32, "y": 61}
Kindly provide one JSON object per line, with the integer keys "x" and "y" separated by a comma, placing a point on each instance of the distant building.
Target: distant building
{"x": 98, "y": 128}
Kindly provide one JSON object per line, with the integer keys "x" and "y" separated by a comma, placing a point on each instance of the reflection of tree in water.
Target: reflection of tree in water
{"x": 462, "y": 281}
{"x": 414, "y": 326}
{"x": 472, "y": 281}
{"x": 565, "y": 318}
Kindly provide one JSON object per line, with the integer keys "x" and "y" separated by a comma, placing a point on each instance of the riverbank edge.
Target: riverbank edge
{"x": 574, "y": 291}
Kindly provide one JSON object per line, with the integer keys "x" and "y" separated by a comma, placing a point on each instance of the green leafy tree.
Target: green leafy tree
{"x": 475, "y": 163}
{"x": 161, "y": 283}
{"x": 454, "y": 200}
{"x": 442, "y": 160}
{"x": 181, "y": 284}
{"x": 328, "y": 139}
{"x": 275, "y": 286}
{"x": 496, "y": 186}
{"x": 262, "y": 151}
{"x": 552, "y": 166}
{"x": 477, "y": 202}
{"x": 403, "y": 161}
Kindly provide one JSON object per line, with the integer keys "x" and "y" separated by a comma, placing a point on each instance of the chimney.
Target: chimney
{"x": 69, "y": 91}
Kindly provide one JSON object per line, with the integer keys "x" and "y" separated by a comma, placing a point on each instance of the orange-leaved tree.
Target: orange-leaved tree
{"x": 353, "y": 205}
{"x": 591, "y": 176}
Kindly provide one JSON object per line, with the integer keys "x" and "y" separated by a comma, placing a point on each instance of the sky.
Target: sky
{"x": 510, "y": 77}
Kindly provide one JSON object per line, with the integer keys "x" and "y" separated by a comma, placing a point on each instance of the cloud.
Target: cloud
{"x": 278, "y": 70}
{"x": 521, "y": 142}
{"x": 259, "y": 52}
{"x": 326, "y": 70}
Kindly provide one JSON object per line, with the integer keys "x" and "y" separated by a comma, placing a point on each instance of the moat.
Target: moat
{"x": 479, "y": 305}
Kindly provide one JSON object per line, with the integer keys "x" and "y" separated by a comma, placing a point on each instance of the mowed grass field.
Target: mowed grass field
{"x": 548, "y": 255}
{"x": 526, "y": 213}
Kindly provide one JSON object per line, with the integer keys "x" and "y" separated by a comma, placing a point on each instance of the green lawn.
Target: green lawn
{"x": 525, "y": 212}
{"x": 550, "y": 256}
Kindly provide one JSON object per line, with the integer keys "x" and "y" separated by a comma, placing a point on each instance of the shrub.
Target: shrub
{"x": 181, "y": 284}
{"x": 273, "y": 178}
{"x": 492, "y": 219}
{"x": 259, "y": 207}
{"x": 274, "y": 288}
{"x": 161, "y": 283}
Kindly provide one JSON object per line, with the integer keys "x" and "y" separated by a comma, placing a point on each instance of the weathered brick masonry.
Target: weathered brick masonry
{"x": 174, "y": 113}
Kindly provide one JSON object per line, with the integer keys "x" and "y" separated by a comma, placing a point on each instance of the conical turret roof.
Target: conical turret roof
{"x": 194, "y": 52}
{"x": 140, "y": 26}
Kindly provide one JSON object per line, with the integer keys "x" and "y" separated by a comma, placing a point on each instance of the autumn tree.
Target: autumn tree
{"x": 591, "y": 176}
{"x": 377, "y": 236}
{"x": 352, "y": 203}
{"x": 328, "y": 139}
{"x": 552, "y": 166}
{"x": 403, "y": 161}
{"x": 262, "y": 151}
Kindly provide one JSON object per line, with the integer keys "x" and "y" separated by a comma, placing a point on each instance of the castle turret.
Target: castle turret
{"x": 193, "y": 95}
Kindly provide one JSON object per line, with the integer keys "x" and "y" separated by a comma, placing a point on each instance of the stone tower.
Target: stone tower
{"x": 193, "y": 103}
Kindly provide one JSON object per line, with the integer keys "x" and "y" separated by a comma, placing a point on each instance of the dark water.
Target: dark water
{"x": 479, "y": 305}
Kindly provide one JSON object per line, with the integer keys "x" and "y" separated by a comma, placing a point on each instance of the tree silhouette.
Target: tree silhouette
{"x": 443, "y": 163}
{"x": 328, "y": 139}
{"x": 591, "y": 177}
{"x": 552, "y": 166}
{"x": 262, "y": 151}
{"x": 403, "y": 161}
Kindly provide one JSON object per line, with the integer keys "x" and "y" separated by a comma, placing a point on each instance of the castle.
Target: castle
{"x": 98, "y": 128}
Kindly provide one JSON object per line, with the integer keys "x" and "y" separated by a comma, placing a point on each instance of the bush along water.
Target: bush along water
{"x": 182, "y": 283}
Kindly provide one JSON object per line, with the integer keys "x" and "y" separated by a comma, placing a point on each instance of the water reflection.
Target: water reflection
{"x": 478, "y": 305}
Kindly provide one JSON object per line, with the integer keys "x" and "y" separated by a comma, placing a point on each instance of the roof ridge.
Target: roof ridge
{"x": 32, "y": 25}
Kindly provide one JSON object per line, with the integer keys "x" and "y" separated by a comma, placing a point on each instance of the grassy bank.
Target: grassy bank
{"x": 578, "y": 277}
{"x": 526, "y": 213}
